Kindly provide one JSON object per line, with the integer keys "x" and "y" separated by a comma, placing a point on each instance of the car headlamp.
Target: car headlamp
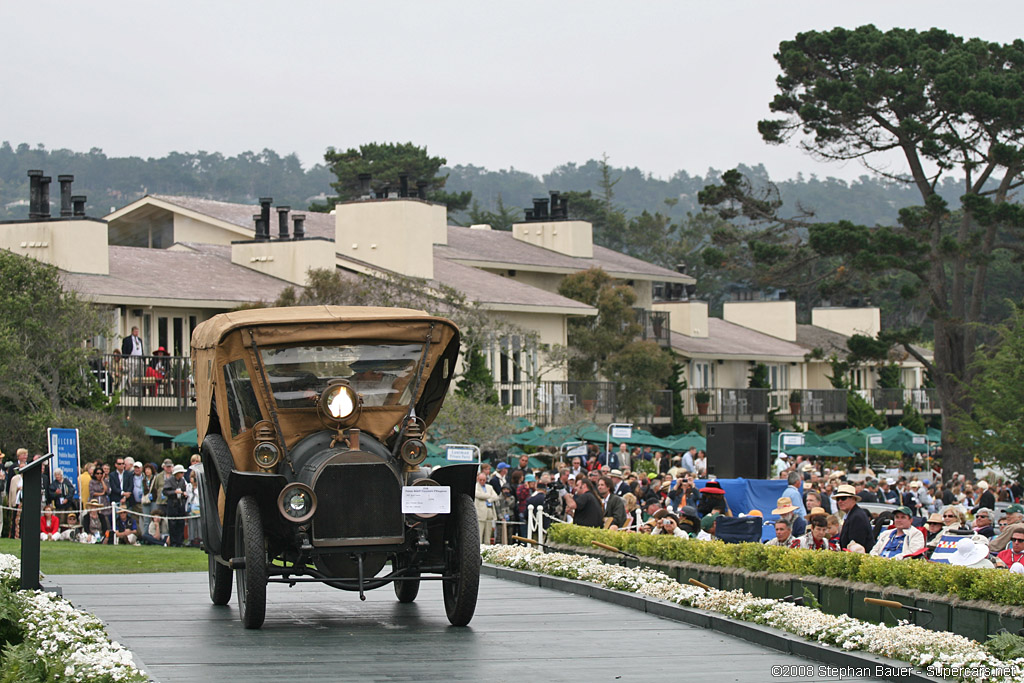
{"x": 266, "y": 455}
{"x": 414, "y": 452}
{"x": 339, "y": 403}
{"x": 296, "y": 502}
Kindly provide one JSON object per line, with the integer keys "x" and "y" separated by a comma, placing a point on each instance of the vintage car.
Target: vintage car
{"x": 311, "y": 421}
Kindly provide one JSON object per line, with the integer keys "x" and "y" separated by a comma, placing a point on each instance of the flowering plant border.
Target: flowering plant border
{"x": 45, "y": 639}
{"x": 934, "y": 653}
{"x": 965, "y": 583}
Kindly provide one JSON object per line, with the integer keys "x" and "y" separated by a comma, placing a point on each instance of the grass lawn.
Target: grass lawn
{"x": 65, "y": 557}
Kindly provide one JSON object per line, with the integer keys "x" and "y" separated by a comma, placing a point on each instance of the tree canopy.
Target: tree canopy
{"x": 916, "y": 108}
{"x": 384, "y": 162}
{"x": 996, "y": 425}
{"x": 593, "y": 340}
{"x": 45, "y": 364}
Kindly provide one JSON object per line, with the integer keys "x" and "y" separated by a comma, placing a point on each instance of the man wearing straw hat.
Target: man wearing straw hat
{"x": 856, "y": 523}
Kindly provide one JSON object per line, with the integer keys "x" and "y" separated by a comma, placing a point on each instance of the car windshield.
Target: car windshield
{"x": 381, "y": 373}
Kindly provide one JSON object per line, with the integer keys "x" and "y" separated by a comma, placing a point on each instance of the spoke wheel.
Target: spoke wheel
{"x": 220, "y": 581}
{"x": 462, "y": 550}
{"x": 251, "y": 580}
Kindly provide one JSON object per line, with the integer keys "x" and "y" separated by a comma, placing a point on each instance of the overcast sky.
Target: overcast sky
{"x": 662, "y": 86}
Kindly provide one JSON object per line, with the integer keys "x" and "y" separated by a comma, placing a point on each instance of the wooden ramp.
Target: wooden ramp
{"x": 316, "y": 633}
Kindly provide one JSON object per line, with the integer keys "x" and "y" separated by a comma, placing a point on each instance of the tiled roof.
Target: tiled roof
{"x": 316, "y": 224}
{"x": 499, "y": 246}
{"x": 728, "y": 340}
{"x": 488, "y": 288}
{"x": 814, "y": 337}
{"x": 204, "y": 275}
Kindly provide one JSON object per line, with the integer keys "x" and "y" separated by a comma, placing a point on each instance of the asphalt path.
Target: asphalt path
{"x": 313, "y": 632}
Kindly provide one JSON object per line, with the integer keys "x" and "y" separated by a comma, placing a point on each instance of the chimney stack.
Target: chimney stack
{"x": 556, "y": 208}
{"x": 78, "y": 205}
{"x": 44, "y": 196}
{"x": 527, "y": 215}
{"x": 364, "y": 185}
{"x": 540, "y": 209}
{"x": 33, "y": 194}
{"x": 65, "y": 194}
{"x": 265, "y": 203}
{"x": 421, "y": 189}
{"x": 282, "y": 221}
{"x": 403, "y": 184}
{"x": 300, "y": 229}
{"x": 262, "y": 231}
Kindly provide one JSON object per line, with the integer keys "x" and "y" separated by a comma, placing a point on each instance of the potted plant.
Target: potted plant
{"x": 795, "y": 401}
{"x": 703, "y": 400}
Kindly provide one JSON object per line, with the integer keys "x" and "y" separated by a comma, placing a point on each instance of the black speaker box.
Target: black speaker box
{"x": 739, "y": 449}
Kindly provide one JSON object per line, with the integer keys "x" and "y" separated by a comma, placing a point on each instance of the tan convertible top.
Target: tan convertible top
{"x": 229, "y": 336}
{"x": 209, "y": 333}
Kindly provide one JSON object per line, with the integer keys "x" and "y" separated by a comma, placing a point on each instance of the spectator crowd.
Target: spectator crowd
{"x": 978, "y": 523}
{"x": 123, "y": 502}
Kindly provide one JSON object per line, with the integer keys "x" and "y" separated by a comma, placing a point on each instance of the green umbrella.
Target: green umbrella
{"x": 157, "y": 434}
{"x": 685, "y": 441}
{"x": 189, "y": 438}
{"x": 934, "y": 435}
{"x": 823, "y": 450}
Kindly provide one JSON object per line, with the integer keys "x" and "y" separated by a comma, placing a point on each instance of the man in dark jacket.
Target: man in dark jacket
{"x": 857, "y": 525}
{"x": 987, "y": 499}
{"x": 613, "y": 504}
{"x": 584, "y": 505}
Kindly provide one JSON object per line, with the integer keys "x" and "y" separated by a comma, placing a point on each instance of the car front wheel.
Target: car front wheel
{"x": 251, "y": 578}
{"x": 462, "y": 550}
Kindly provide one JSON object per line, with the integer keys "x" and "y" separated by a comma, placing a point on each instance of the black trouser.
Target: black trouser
{"x": 176, "y": 527}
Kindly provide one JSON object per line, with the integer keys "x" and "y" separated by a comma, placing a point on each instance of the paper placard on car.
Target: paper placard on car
{"x": 417, "y": 500}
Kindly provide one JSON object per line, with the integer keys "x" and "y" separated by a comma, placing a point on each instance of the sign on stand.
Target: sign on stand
{"x": 622, "y": 431}
{"x": 64, "y": 445}
{"x": 462, "y": 452}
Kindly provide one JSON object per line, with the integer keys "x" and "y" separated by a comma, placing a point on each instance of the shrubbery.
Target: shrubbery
{"x": 1000, "y": 587}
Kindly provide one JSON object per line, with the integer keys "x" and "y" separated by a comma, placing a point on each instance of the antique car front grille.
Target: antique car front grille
{"x": 358, "y": 503}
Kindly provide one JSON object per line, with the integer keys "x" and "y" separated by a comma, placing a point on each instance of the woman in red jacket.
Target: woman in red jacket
{"x": 49, "y": 525}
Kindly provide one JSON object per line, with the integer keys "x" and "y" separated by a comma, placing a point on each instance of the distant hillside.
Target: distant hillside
{"x": 867, "y": 201}
{"x": 115, "y": 181}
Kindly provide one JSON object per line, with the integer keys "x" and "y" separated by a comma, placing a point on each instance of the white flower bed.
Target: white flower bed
{"x": 72, "y": 644}
{"x": 934, "y": 653}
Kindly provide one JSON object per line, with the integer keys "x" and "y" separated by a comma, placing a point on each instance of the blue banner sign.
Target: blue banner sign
{"x": 63, "y": 443}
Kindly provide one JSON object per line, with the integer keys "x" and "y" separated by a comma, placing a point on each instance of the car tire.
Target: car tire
{"x": 220, "y": 581}
{"x": 462, "y": 552}
{"x": 251, "y": 579}
{"x": 406, "y": 591}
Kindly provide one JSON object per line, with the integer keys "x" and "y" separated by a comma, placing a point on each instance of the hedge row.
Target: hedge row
{"x": 998, "y": 586}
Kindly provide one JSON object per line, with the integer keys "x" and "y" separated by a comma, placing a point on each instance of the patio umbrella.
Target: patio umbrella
{"x": 685, "y": 441}
{"x": 157, "y": 434}
{"x": 189, "y": 438}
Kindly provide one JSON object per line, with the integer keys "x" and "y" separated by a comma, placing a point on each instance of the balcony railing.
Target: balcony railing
{"x": 754, "y": 405}
{"x": 146, "y": 381}
{"x": 654, "y": 326}
{"x": 892, "y": 401}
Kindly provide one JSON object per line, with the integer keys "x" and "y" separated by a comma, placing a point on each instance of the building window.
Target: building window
{"x": 778, "y": 376}
{"x": 702, "y": 374}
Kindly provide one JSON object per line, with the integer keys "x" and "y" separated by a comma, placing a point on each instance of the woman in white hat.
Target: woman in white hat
{"x": 971, "y": 554}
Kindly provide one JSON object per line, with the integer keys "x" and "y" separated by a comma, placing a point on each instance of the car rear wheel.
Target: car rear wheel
{"x": 406, "y": 591}
{"x": 220, "y": 581}
{"x": 462, "y": 551}
{"x": 251, "y": 578}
